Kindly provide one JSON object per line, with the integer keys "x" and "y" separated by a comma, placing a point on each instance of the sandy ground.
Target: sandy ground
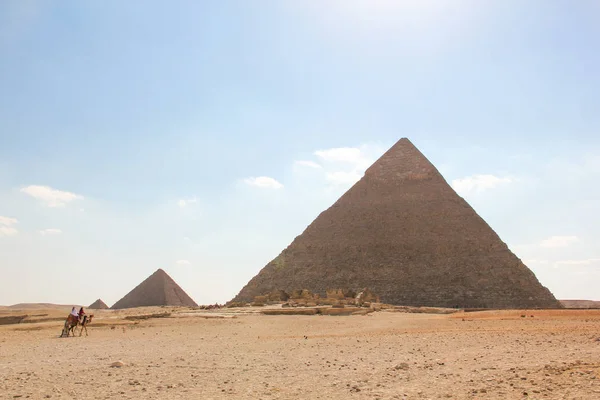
{"x": 235, "y": 355}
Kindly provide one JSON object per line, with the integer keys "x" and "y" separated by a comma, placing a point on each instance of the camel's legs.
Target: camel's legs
{"x": 64, "y": 329}
{"x": 68, "y": 328}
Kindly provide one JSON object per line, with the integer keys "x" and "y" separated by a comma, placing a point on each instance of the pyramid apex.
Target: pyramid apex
{"x": 403, "y": 142}
{"x": 159, "y": 289}
{"x": 402, "y": 162}
{"x": 98, "y": 305}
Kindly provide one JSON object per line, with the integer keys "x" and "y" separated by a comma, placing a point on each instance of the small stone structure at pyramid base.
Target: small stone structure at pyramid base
{"x": 159, "y": 289}
{"x": 338, "y": 302}
{"x": 404, "y": 233}
{"x": 305, "y": 298}
{"x": 98, "y": 305}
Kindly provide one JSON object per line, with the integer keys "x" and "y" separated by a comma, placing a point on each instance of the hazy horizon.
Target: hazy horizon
{"x": 201, "y": 138}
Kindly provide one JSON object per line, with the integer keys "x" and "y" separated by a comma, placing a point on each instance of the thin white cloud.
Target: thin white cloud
{"x": 479, "y": 183}
{"x": 50, "y": 231}
{"x": 263, "y": 182}
{"x": 183, "y": 262}
{"x": 310, "y": 164}
{"x": 185, "y": 202}
{"x": 49, "y": 196}
{"x": 7, "y": 231}
{"x": 344, "y": 166}
{"x": 6, "y": 228}
{"x": 343, "y": 178}
{"x": 358, "y": 158}
{"x": 7, "y": 221}
{"x": 558, "y": 241}
{"x": 351, "y": 155}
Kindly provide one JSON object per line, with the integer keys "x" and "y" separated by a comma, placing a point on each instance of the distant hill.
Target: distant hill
{"x": 580, "y": 303}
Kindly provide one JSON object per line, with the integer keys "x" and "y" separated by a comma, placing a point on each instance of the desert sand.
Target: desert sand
{"x": 242, "y": 354}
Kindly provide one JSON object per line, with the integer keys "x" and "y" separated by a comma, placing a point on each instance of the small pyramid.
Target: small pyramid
{"x": 98, "y": 305}
{"x": 404, "y": 233}
{"x": 159, "y": 289}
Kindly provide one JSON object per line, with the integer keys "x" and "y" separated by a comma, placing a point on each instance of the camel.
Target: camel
{"x": 84, "y": 324}
{"x": 70, "y": 325}
{"x": 72, "y": 322}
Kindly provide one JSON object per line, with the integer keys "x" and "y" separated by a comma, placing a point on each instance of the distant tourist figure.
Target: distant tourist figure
{"x": 81, "y": 313}
{"x": 74, "y": 312}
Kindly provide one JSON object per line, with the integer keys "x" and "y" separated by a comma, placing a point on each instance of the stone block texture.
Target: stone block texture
{"x": 404, "y": 233}
{"x": 159, "y": 289}
{"x": 98, "y": 305}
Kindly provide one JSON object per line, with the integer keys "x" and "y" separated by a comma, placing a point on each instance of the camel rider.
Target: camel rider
{"x": 73, "y": 315}
{"x": 81, "y": 314}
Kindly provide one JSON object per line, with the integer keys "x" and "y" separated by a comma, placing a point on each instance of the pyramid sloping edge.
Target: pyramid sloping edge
{"x": 402, "y": 231}
{"x": 159, "y": 289}
{"x": 98, "y": 305}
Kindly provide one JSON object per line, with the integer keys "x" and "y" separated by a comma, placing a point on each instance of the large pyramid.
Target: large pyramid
{"x": 159, "y": 289}
{"x": 403, "y": 232}
{"x": 98, "y": 305}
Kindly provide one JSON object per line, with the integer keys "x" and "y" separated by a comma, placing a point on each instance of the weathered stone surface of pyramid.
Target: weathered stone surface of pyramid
{"x": 403, "y": 232}
{"x": 98, "y": 305}
{"x": 159, "y": 289}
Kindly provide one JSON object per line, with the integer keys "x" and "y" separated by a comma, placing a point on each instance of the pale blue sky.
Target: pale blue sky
{"x": 130, "y": 132}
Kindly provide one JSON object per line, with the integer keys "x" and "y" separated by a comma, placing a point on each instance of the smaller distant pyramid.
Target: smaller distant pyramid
{"x": 159, "y": 289}
{"x": 98, "y": 305}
